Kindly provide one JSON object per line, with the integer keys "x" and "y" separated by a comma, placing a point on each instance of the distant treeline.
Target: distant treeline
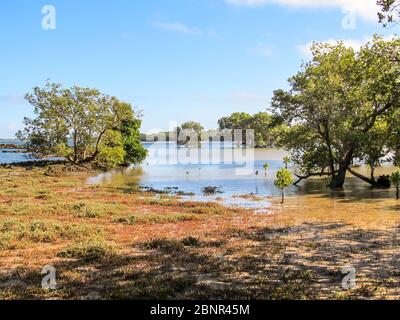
{"x": 341, "y": 108}
{"x": 263, "y": 124}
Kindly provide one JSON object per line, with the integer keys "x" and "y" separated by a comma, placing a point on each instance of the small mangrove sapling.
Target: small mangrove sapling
{"x": 283, "y": 180}
{"x": 395, "y": 179}
{"x": 266, "y": 167}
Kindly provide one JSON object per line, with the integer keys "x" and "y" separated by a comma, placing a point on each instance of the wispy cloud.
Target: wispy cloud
{"x": 365, "y": 8}
{"x": 180, "y": 27}
{"x": 177, "y": 27}
{"x": 262, "y": 49}
{"x": 305, "y": 49}
{"x": 356, "y": 44}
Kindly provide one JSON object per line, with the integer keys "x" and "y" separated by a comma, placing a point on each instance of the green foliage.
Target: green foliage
{"x": 283, "y": 180}
{"x": 261, "y": 123}
{"x": 164, "y": 245}
{"x": 89, "y": 251}
{"x": 393, "y": 138}
{"x": 192, "y": 125}
{"x": 189, "y": 131}
{"x": 390, "y": 11}
{"x": 337, "y": 106}
{"x": 41, "y": 231}
{"x": 395, "y": 180}
{"x": 153, "y": 218}
{"x": 287, "y": 160}
{"x": 237, "y": 120}
{"x": 266, "y": 167}
{"x": 81, "y": 125}
{"x": 111, "y": 151}
{"x": 135, "y": 153}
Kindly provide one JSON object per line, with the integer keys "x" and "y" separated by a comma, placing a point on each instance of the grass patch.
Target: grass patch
{"x": 96, "y": 209}
{"x": 89, "y": 251}
{"x": 153, "y": 218}
{"x": 163, "y": 202}
{"x": 42, "y": 231}
{"x": 164, "y": 245}
{"x": 191, "y": 242}
{"x": 171, "y": 245}
{"x": 206, "y": 210}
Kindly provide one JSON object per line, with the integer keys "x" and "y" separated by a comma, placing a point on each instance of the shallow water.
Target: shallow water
{"x": 238, "y": 173}
{"x": 190, "y": 170}
{"x": 235, "y": 171}
{"x": 7, "y": 156}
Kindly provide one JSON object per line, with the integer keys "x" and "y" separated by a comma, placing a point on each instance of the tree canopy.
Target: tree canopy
{"x": 83, "y": 126}
{"x": 283, "y": 180}
{"x": 341, "y": 107}
{"x": 192, "y": 125}
{"x": 261, "y": 123}
{"x": 189, "y": 131}
{"x": 390, "y": 11}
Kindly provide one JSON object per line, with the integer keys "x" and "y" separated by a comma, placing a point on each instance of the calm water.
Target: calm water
{"x": 9, "y": 157}
{"x": 235, "y": 171}
{"x": 190, "y": 170}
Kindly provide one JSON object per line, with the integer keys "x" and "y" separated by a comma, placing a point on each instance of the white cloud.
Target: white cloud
{"x": 177, "y": 27}
{"x": 183, "y": 28}
{"x": 262, "y": 49}
{"x": 365, "y": 8}
{"x": 356, "y": 44}
{"x": 305, "y": 49}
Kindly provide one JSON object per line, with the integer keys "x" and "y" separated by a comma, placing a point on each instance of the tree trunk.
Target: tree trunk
{"x": 372, "y": 172}
{"x": 397, "y": 193}
{"x": 283, "y": 197}
{"x": 328, "y": 143}
{"x": 339, "y": 178}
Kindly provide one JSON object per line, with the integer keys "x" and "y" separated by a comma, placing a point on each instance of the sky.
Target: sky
{"x": 174, "y": 60}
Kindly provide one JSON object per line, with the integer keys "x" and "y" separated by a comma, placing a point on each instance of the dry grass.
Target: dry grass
{"x": 119, "y": 242}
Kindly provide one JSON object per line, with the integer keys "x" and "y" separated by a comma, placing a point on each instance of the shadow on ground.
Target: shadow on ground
{"x": 302, "y": 262}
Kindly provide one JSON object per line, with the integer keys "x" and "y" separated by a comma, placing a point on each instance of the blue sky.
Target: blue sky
{"x": 175, "y": 60}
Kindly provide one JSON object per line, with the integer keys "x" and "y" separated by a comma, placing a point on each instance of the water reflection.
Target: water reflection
{"x": 192, "y": 177}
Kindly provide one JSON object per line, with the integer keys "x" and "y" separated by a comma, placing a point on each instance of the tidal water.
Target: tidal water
{"x": 240, "y": 177}
{"x": 10, "y": 156}
{"x": 237, "y": 173}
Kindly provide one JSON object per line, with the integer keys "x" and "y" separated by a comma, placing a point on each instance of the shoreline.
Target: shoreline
{"x": 138, "y": 241}
{"x": 11, "y": 146}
